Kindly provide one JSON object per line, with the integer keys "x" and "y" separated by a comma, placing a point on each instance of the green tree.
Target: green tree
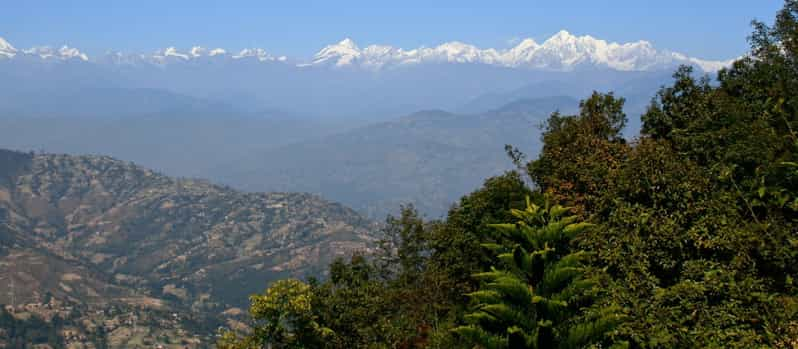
{"x": 404, "y": 247}
{"x": 283, "y": 317}
{"x": 579, "y": 150}
{"x": 536, "y": 294}
{"x": 456, "y": 252}
{"x": 698, "y": 222}
{"x": 356, "y": 304}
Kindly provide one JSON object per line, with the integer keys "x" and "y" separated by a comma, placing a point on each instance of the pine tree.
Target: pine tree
{"x": 538, "y": 292}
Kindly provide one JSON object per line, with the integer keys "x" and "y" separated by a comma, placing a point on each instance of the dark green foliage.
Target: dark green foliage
{"x": 25, "y": 333}
{"x": 537, "y": 287}
{"x": 403, "y": 247}
{"x": 682, "y": 259}
{"x": 455, "y": 243}
{"x": 699, "y": 221}
{"x": 579, "y": 151}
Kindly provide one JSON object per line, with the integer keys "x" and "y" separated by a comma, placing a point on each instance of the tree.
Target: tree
{"x": 403, "y": 247}
{"x": 698, "y": 222}
{"x": 456, "y": 252}
{"x": 284, "y": 318}
{"x": 579, "y": 150}
{"x": 355, "y": 303}
{"x": 535, "y": 294}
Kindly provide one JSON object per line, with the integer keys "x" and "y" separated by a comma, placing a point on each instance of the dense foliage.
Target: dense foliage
{"x": 539, "y": 287}
{"x": 284, "y": 315}
{"x": 16, "y": 333}
{"x": 692, "y": 239}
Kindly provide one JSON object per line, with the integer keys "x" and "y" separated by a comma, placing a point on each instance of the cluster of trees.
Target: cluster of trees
{"x": 685, "y": 237}
{"x": 22, "y": 333}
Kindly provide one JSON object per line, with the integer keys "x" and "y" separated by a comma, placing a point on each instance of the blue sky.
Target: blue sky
{"x": 711, "y": 29}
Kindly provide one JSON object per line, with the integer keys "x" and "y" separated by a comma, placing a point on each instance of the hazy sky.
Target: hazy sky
{"x": 711, "y": 29}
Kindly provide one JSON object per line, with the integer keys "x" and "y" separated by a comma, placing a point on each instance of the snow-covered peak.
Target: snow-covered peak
{"x": 259, "y": 54}
{"x": 457, "y": 51}
{"x": 6, "y": 50}
{"x": 526, "y": 45}
{"x": 345, "y": 52}
{"x": 217, "y": 52}
{"x": 563, "y": 51}
{"x": 63, "y": 53}
{"x": 197, "y": 51}
{"x": 67, "y": 52}
{"x": 172, "y": 52}
{"x": 523, "y": 52}
{"x": 705, "y": 65}
{"x": 347, "y": 44}
{"x": 563, "y": 37}
{"x": 172, "y": 55}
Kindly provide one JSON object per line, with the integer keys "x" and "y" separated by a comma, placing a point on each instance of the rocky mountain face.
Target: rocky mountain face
{"x": 96, "y": 232}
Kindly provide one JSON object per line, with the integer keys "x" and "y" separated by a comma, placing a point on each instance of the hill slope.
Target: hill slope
{"x": 429, "y": 158}
{"x": 93, "y": 230}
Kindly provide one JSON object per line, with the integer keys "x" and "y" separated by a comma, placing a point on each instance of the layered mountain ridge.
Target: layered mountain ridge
{"x": 429, "y": 158}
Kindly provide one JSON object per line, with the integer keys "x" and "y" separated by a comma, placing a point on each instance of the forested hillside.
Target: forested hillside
{"x": 685, "y": 237}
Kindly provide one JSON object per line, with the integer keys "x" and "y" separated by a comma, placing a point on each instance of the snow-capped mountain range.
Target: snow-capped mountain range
{"x": 561, "y": 52}
{"x": 172, "y": 55}
{"x": 43, "y": 52}
{"x": 6, "y": 50}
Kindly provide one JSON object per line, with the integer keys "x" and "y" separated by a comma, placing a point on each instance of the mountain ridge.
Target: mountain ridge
{"x": 428, "y": 158}
{"x": 184, "y": 241}
{"x": 561, "y": 52}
